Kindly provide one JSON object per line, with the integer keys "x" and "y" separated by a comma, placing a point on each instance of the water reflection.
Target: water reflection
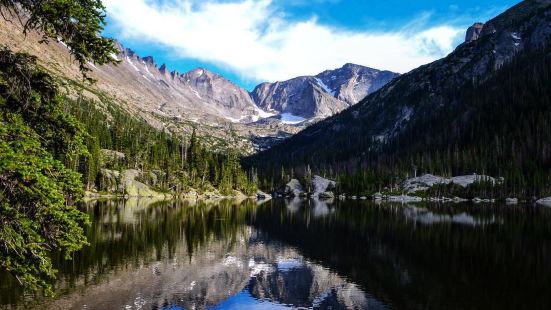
{"x": 303, "y": 254}
{"x": 426, "y": 217}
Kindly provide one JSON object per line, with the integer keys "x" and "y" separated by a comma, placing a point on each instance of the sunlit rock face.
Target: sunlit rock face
{"x": 322, "y": 95}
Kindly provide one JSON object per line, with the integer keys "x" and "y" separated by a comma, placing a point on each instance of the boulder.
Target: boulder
{"x": 134, "y": 188}
{"x": 322, "y": 185}
{"x": 294, "y": 188}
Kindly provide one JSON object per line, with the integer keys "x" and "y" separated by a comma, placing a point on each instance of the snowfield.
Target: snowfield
{"x": 288, "y": 118}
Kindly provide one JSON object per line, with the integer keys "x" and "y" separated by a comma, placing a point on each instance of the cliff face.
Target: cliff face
{"x": 473, "y": 33}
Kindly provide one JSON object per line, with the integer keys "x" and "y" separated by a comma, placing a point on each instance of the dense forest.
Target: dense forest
{"x": 498, "y": 127}
{"x": 181, "y": 164}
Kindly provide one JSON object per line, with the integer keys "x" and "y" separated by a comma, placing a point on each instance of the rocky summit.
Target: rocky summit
{"x": 322, "y": 95}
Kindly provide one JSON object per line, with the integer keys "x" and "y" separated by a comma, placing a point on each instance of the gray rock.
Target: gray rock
{"x": 321, "y": 185}
{"x": 294, "y": 188}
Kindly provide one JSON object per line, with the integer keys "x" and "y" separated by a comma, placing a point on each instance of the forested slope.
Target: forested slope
{"x": 483, "y": 109}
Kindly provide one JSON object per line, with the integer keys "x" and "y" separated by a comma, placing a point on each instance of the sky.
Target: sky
{"x": 254, "y": 41}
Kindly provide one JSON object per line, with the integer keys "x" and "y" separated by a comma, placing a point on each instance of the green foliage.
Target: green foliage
{"x": 36, "y": 188}
{"x": 77, "y": 23}
{"x": 180, "y": 163}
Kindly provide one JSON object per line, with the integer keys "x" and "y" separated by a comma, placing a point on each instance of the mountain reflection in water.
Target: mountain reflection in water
{"x": 303, "y": 254}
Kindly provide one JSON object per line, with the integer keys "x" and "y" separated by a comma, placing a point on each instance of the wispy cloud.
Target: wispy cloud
{"x": 255, "y": 39}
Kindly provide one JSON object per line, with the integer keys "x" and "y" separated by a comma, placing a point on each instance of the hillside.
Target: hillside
{"x": 481, "y": 109}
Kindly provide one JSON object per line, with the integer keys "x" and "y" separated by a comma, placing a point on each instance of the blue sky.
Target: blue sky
{"x": 251, "y": 41}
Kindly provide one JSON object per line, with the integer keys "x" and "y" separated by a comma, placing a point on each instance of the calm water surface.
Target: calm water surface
{"x": 303, "y": 254}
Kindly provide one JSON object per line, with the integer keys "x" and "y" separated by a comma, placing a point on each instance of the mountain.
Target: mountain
{"x": 198, "y": 94}
{"x": 322, "y": 95}
{"x": 223, "y": 113}
{"x": 482, "y": 108}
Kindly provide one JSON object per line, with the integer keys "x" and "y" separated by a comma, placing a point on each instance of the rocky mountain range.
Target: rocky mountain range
{"x": 204, "y": 93}
{"x": 222, "y": 112}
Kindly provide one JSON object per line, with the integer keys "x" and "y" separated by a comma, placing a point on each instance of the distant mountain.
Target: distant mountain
{"x": 220, "y": 110}
{"x": 197, "y": 94}
{"x": 483, "y": 108}
{"x": 322, "y": 95}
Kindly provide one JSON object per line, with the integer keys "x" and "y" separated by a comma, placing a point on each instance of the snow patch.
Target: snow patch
{"x": 262, "y": 113}
{"x": 199, "y": 72}
{"x": 132, "y": 64}
{"x": 515, "y": 36}
{"x": 325, "y": 87}
{"x": 114, "y": 56}
{"x": 288, "y": 118}
{"x": 147, "y": 70}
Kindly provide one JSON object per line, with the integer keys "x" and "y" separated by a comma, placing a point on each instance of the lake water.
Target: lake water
{"x": 304, "y": 254}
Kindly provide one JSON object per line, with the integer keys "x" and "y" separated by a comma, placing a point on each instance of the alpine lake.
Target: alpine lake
{"x": 302, "y": 254}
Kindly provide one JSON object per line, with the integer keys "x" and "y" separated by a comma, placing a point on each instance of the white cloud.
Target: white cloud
{"x": 255, "y": 40}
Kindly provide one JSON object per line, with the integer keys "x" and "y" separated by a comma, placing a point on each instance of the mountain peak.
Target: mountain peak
{"x": 149, "y": 60}
{"x": 200, "y": 72}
